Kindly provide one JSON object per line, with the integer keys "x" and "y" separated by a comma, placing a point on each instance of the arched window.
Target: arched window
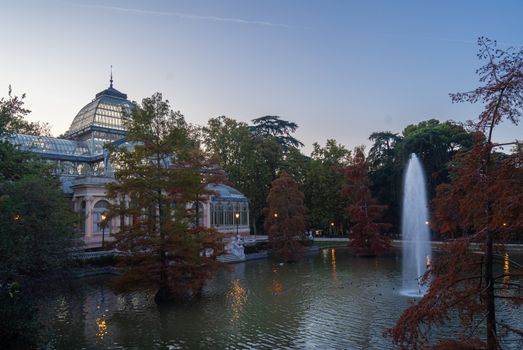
{"x": 99, "y": 208}
{"x": 218, "y": 214}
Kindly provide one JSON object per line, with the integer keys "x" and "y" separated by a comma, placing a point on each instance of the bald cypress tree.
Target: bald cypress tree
{"x": 159, "y": 186}
{"x": 367, "y": 232}
{"x": 285, "y": 218}
{"x": 473, "y": 278}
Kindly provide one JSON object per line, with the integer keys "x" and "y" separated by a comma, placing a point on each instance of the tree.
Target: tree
{"x": 484, "y": 199}
{"x": 36, "y": 229}
{"x": 285, "y": 218}
{"x": 12, "y": 114}
{"x": 274, "y": 126}
{"x": 158, "y": 184}
{"x": 433, "y": 141}
{"x": 251, "y": 162}
{"x": 364, "y": 211}
{"x": 296, "y": 164}
{"x": 386, "y": 173}
{"x": 381, "y": 153}
{"x": 322, "y": 186}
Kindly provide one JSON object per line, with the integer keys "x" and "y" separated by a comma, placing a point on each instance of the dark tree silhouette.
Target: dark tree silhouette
{"x": 278, "y": 128}
{"x": 37, "y": 227}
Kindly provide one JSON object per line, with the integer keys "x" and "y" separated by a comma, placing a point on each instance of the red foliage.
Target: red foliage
{"x": 458, "y": 285}
{"x": 483, "y": 204}
{"x": 285, "y": 218}
{"x": 366, "y": 234}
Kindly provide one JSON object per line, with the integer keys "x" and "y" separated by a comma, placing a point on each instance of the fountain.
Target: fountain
{"x": 415, "y": 230}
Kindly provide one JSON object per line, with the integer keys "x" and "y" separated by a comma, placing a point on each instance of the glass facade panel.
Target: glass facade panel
{"x": 223, "y": 213}
{"x": 99, "y": 208}
{"x": 244, "y": 214}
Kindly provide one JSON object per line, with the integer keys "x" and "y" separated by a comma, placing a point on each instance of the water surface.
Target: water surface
{"x": 328, "y": 301}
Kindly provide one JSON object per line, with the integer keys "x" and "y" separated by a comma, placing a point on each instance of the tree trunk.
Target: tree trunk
{"x": 491, "y": 307}
{"x": 492, "y": 342}
{"x": 164, "y": 294}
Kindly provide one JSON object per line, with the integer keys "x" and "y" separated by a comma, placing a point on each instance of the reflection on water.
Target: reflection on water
{"x": 259, "y": 305}
{"x": 102, "y": 327}
{"x": 506, "y": 271}
{"x": 333, "y": 260}
{"x": 238, "y": 296}
{"x": 325, "y": 255}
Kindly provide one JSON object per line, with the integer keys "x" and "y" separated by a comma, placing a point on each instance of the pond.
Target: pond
{"x": 328, "y": 301}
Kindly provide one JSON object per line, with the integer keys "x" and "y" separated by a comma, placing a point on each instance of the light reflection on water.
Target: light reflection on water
{"x": 331, "y": 300}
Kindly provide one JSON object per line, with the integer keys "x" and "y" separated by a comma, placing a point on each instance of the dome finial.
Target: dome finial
{"x": 111, "y": 80}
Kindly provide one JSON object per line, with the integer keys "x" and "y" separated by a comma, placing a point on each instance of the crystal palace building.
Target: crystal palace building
{"x": 81, "y": 160}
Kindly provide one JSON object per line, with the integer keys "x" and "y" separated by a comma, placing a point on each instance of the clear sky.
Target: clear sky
{"x": 340, "y": 69}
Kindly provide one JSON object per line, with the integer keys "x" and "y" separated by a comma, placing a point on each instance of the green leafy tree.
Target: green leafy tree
{"x": 158, "y": 185}
{"x": 285, "y": 218}
{"x": 433, "y": 141}
{"x": 382, "y": 152}
{"x": 251, "y": 162}
{"x": 12, "y": 117}
{"x": 296, "y": 164}
{"x": 36, "y": 229}
{"x": 385, "y": 173}
{"x": 322, "y": 187}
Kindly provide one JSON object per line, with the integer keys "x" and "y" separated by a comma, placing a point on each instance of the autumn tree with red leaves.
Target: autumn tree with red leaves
{"x": 285, "y": 218}
{"x": 483, "y": 204}
{"x": 160, "y": 184}
{"x": 366, "y": 233}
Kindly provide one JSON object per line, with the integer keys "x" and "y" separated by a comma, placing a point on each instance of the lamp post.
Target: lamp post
{"x": 237, "y": 217}
{"x": 332, "y": 228}
{"x": 104, "y": 218}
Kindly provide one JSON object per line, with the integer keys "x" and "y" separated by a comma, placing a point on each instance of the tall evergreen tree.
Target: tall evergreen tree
{"x": 281, "y": 130}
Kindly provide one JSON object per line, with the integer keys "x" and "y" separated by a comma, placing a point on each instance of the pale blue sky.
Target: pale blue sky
{"x": 340, "y": 69}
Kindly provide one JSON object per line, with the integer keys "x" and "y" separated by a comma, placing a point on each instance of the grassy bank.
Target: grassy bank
{"x": 330, "y": 244}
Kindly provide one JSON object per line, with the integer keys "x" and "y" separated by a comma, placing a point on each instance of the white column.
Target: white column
{"x": 89, "y": 203}
{"x": 207, "y": 214}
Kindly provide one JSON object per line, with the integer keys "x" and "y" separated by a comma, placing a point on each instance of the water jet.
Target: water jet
{"x": 415, "y": 233}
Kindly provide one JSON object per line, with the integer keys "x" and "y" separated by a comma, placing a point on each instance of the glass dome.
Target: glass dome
{"x": 102, "y": 118}
{"x": 49, "y": 147}
{"x": 224, "y": 192}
